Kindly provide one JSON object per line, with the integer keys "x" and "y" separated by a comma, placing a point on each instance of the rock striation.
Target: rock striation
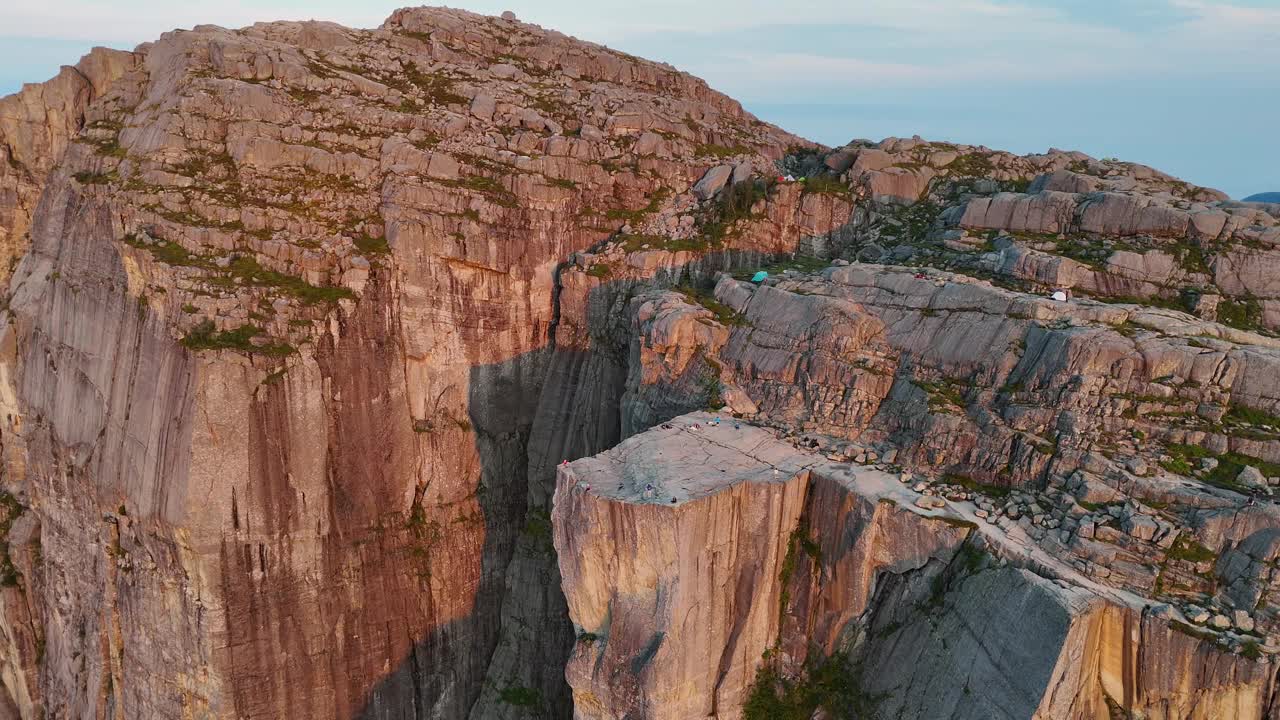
{"x": 303, "y": 324}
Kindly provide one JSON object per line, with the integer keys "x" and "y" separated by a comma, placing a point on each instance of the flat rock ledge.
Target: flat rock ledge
{"x": 695, "y": 552}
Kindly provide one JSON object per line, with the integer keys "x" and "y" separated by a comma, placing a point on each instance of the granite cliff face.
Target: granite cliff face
{"x": 838, "y": 573}
{"x": 302, "y": 321}
{"x": 275, "y": 350}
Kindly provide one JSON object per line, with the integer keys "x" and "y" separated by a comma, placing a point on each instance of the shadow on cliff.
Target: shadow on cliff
{"x": 442, "y": 675}
{"x": 560, "y": 402}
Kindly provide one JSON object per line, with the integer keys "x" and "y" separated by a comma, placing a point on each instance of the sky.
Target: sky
{"x": 1191, "y": 87}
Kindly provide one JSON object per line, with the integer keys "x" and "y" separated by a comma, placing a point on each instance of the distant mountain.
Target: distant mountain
{"x": 1264, "y": 197}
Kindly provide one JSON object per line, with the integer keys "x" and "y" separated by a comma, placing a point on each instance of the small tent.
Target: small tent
{"x": 759, "y": 277}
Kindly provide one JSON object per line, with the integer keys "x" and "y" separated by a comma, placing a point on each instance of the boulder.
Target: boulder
{"x": 1251, "y": 477}
{"x": 649, "y": 143}
{"x": 712, "y": 182}
{"x": 840, "y": 160}
{"x": 1197, "y": 614}
{"x": 1047, "y": 212}
{"x": 1142, "y": 527}
{"x": 738, "y": 400}
{"x": 1090, "y": 488}
{"x": 1137, "y": 466}
{"x": 1112, "y": 213}
{"x": 930, "y": 502}
{"x": 483, "y": 106}
{"x": 1064, "y": 181}
{"x": 1242, "y": 620}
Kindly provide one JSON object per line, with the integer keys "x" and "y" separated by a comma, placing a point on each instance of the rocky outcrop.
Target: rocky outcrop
{"x": 1060, "y": 220}
{"x": 36, "y": 126}
{"x": 977, "y": 389}
{"x": 701, "y": 550}
{"x": 960, "y": 374}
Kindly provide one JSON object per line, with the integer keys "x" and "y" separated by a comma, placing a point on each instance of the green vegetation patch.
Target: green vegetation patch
{"x": 1191, "y": 257}
{"x": 206, "y": 336}
{"x": 732, "y": 205}
{"x": 521, "y": 696}
{"x": 711, "y": 384}
{"x": 166, "y": 251}
{"x": 491, "y": 188}
{"x": 968, "y": 483}
{"x": 1244, "y": 313}
{"x": 1083, "y": 249}
{"x": 95, "y": 178}
{"x": 370, "y": 245}
{"x": 1230, "y": 464}
{"x": 634, "y": 216}
{"x": 945, "y": 395}
{"x": 1180, "y": 303}
{"x": 247, "y": 269}
{"x": 438, "y": 88}
{"x": 1181, "y": 457}
{"x": 915, "y": 220}
{"x": 106, "y": 146}
{"x": 1241, "y": 421}
{"x": 10, "y": 509}
{"x": 827, "y": 184}
{"x": 1186, "y": 548}
{"x": 832, "y": 685}
{"x": 724, "y": 314}
{"x": 635, "y": 242}
{"x": 539, "y": 531}
{"x": 1250, "y": 416}
{"x": 974, "y": 165}
{"x": 969, "y": 558}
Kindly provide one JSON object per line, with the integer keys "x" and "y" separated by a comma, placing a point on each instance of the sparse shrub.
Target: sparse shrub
{"x": 974, "y": 165}
{"x": 10, "y": 509}
{"x": 521, "y": 696}
{"x": 719, "y": 151}
{"x": 370, "y": 245}
{"x": 707, "y": 299}
{"x": 831, "y": 684}
{"x": 827, "y": 184}
{"x": 733, "y": 204}
{"x": 206, "y": 336}
{"x": 1244, "y": 313}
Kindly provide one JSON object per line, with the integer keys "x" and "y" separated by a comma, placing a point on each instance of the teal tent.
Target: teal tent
{"x": 759, "y": 277}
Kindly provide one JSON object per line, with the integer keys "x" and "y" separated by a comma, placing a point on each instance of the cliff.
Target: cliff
{"x": 691, "y": 551}
{"x": 275, "y": 347}
{"x": 302, "y": 321}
